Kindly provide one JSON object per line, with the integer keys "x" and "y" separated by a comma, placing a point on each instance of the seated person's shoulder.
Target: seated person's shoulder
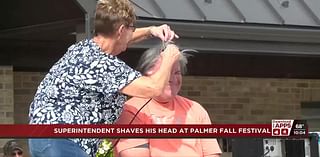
{"x": 188, "y": 101}
{"x": 191, "y": 103}
{"x": 136, "y": 102}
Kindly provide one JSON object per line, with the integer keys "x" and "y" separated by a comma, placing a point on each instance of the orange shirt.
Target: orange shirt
{"x": 180, "y": 111}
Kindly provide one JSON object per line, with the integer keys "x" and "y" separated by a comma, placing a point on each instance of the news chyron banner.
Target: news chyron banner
{"x": 278, "y": 128}
{"x": 287, "y": 128}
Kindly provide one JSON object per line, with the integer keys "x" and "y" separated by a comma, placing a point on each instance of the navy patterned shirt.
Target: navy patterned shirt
{"x": 82, "y": 88}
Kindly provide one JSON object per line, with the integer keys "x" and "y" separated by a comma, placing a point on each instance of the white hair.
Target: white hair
{"x": 151, "y": 55}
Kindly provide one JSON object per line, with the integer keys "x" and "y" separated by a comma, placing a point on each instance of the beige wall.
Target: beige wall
{"x": 17, "y": 90}
{"x": 6, "y": 95}
{"x": 250, "y": 100}
{"x": 6, "y": 99}
{"x": 25, "y": 86}
{"x": 227, "y": 99}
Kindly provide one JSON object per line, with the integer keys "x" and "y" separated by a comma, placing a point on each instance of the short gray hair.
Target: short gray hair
{"x": 151, "y": 55}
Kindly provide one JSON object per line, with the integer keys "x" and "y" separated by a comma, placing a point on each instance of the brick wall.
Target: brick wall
{"x": 25, "y": 86}
{"x": 6, "y": 99}
{"x": 21, "y": 89}
{"x": 227, "y": 99}
{"x": 250, "y": 100}
{"x": 6, "y": 95}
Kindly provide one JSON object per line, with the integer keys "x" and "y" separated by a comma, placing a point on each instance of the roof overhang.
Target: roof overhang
{"x": 217, "y": 37}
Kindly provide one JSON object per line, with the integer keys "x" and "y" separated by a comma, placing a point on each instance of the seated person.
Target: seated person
{"x": 168, "y": 108}
{"x": 12, "y": 149}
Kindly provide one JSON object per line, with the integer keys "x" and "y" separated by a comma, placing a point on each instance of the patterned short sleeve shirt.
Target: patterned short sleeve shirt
{"x": 82, "y": 88}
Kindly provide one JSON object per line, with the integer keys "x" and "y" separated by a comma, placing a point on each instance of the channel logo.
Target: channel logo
{"x": 281, "y": 127}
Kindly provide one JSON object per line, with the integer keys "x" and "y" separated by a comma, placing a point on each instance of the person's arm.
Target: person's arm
{"x": 153, "y": 85}
{"x": 210, "y": 146}
{"x": 163, "y": 32}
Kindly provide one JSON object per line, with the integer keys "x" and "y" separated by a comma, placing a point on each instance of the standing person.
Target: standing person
{"x": 89, "y": 83}
{"x": 167, "y": 108}
{"x": 12, "y": 149}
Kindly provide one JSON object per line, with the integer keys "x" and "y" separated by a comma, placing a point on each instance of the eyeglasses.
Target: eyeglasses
{"x": 16, "y": 153}
{"x": 133, "y": 27}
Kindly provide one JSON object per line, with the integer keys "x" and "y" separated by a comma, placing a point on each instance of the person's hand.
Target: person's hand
{"x": 163, "y": 32}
